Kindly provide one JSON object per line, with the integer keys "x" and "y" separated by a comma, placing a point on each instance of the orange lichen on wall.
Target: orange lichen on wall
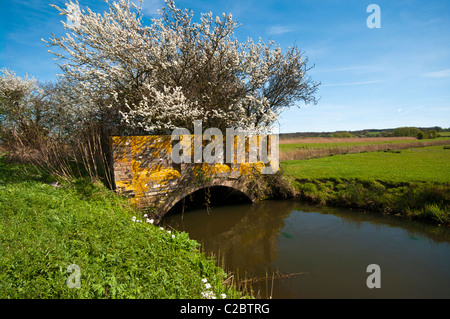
{"x": 147, "y": 171}
{"x": 205, "y": 170}
{"x": 251, "y": 168}
{"x": 163, "y": 175}
{"x": 143, "y": 165}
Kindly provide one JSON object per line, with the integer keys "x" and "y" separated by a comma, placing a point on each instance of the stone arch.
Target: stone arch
{"x": 177, "y": 197}
{"x": 145, "y": 172}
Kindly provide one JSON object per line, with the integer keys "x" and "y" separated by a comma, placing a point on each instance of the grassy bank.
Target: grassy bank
{"x": 45, "y": 228}
{"x": 413, "y": 183}
{"x": 428, "y": 202}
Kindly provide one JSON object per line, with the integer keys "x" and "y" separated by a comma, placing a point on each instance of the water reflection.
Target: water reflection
{"x": 333, "y": 246}
{"x": 244, "y": 236}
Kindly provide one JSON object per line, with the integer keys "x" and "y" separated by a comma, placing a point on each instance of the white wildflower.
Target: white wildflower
{"x": 208, "y": 295}
{"x": 223, "y": 296}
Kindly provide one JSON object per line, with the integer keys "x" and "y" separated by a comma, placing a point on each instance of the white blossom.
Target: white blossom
{"x": 73, "y": 14}
{"x": 165, "y": 75}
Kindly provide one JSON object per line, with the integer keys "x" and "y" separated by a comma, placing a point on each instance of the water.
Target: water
{"x": 331, "y": 248}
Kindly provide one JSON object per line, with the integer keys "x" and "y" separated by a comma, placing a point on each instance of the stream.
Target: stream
{"x": 321, "y": 252}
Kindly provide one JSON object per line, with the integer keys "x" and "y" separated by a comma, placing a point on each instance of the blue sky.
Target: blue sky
{"x": 396, "y": 75}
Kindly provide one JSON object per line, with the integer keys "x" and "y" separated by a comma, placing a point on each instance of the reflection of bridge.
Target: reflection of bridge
{"x": 246, "y": 240}
{"x": 144, "y": 170}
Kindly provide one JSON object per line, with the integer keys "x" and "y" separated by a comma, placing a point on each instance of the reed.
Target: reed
{"x": 85, "y": 156}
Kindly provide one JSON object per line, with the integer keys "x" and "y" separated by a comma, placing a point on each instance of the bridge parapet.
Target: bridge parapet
{"x": 145, "y": 172}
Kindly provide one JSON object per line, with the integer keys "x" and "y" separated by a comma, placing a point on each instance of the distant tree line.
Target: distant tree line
{"x": 418, "y": 132}
{"x": 415, "y": 132}
{"x": 342, "y": 134}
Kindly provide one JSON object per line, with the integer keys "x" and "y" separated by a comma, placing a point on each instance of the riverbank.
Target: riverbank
{"x": 411, "y": 183}
{"x": 46, "y": 226}
{"x": 428, "y": 202}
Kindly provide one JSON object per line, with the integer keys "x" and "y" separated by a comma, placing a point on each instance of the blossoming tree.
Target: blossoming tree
{"x": 158, "y": 77}
{"x": 30, "y": 110}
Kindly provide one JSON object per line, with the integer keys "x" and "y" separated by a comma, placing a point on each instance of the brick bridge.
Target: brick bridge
{"x": 144, "y": 171}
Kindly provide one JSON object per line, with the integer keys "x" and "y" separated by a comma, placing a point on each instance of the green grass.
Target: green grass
{"x": 44, "y": 229}
{"x": 424, "y": 201}
{"x": 413, "y": 183}
{"x": 419, "y": 164}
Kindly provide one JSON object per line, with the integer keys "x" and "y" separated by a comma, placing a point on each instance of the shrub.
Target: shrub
{"x": 342, "y": 134}
{"x": 420, "y": 135}
{"x": 431, "y": 134}
{"x": 405, "y": 131}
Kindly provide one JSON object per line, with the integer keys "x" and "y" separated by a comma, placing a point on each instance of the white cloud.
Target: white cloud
{"x": 418, "y": 107}
{"x": 279, "y": 29}
{"x": 353, "y": 83}
{"x": 438, "y": 74}
{"x": 355, "y": 69}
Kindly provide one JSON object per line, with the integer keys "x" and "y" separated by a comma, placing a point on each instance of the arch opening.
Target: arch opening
{"x": 209, "y": 197}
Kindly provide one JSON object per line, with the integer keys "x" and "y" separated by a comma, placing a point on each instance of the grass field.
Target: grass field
{"x": 305, "y": 148}
{"x": 430, "y": 164}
